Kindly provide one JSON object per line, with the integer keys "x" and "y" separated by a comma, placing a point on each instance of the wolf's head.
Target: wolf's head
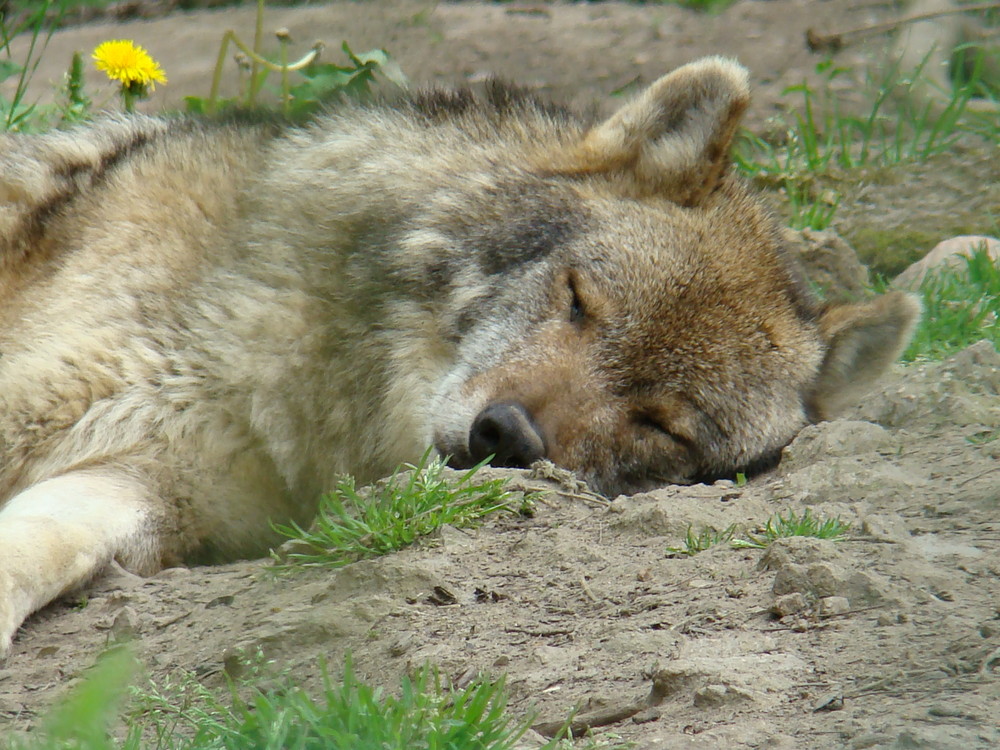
{"x": 632, "y": 316}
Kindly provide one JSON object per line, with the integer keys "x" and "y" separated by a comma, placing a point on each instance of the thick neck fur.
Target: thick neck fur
{"x": 354, "y": 189}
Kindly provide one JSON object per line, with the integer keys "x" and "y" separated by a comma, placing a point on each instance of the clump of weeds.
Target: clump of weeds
{"x": 703, "y": 540}
{"x": 179, "y": 713}
{"x": 779, "y": 527}
{"x": 356, "y": 524}
{"x": 823, "y": 139}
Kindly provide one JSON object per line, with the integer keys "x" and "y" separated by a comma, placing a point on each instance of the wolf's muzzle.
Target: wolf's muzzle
{"x": 506, "y": 431}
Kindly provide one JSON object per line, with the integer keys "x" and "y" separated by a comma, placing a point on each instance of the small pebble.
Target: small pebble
{"x": 789, "y": 604}
{"x": 831, "y": 701}
{"x": 830, "y": 606}
{"x": 710, "y": 695}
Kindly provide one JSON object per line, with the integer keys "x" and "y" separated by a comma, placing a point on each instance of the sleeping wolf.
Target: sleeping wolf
{"x": 202, "y": 325}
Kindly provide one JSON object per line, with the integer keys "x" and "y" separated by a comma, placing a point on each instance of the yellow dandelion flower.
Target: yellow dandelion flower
{"x": 123, "y": 60}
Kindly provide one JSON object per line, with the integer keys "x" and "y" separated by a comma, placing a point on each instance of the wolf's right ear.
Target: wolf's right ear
{"x": 674, "y": 138}
{"x": 862, "y": 341}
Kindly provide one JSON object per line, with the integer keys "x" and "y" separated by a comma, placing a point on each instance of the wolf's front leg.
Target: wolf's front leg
{"x": 58, "y": 534}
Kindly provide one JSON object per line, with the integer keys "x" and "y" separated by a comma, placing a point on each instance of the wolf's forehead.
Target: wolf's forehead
{"x": 679, "y": 268}
{"x": 522, "y": 223}
{"x": 649, "y": 254}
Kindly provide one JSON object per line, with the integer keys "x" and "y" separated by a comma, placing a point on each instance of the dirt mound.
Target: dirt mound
{"x": 889, "y": 639}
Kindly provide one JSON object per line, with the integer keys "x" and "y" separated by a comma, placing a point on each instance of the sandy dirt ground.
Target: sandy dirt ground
{"x": 890, "y": 639}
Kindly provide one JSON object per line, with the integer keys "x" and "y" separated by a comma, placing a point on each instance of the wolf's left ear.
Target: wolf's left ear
{"x": 862, "y": 340}
{"x": 674, "y": 138}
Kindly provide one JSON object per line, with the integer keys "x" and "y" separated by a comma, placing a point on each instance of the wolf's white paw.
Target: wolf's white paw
{"x": 10, "y": 619}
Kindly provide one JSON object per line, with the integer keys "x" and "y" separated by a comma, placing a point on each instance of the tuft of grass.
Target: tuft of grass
{"x": 821, "y": 136}
{"x": 777, "y": 527}
{"x": 351, "y": 714}
{"x": 37, "y": 22}
{"x": 389, "y": 516}
{"x": 703, "y": 540}
{"x": 977, "y": 65}
{"x": 961, "y": 307}
{"x": 83, "y": 718}
{"x": 983, "y": 437}
{"x": 780, "y": 526}
{"x": 808, "y": 212}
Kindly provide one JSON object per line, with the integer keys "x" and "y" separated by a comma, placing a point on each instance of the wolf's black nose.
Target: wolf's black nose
{"x": 506, "y": 431}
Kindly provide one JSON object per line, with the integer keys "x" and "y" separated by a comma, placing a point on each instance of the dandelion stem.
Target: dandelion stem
{"x": 220, "y": 61}
{"x": 258, "y": 40}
